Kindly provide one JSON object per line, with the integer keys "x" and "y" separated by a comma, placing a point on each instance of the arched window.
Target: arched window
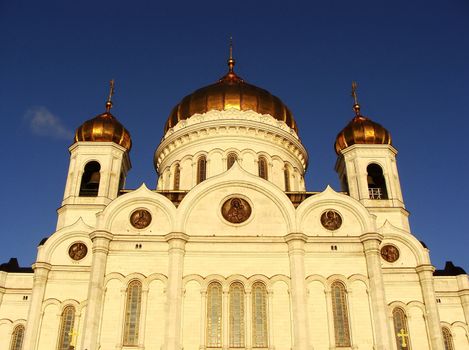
{"x": 231, "y": 159}
{"x": 401, "y": 330}
{"x": 177, "y": 177}
{"x": 236, "y": 315}
{"x": 340, "y": 313}
{"x": 447, "y": 338}
{"x": 201, "y": 169}
{"x": 376, "y": 182}
{"x": 132, "y": 313}
{"x": 286, "y": 177}
{"x": 90, "y": 180}
{"x": 259, "y": 315}
{"x": 17, "y": 338}
{"x": 214, "y": 315}
{"x": 66, "y": 328}
{"x": 262, "y": 165}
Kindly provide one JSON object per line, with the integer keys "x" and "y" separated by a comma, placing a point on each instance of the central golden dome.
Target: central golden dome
{"x": 230, "y": 92}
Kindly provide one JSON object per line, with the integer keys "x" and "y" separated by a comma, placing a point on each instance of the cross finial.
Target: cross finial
{"x": 402, "y": 334}
{"x": 111, "y": 93}
{"x": 356, "y": 106}
{"x": 73, "y": 338}
{"x": 231, "y": 61}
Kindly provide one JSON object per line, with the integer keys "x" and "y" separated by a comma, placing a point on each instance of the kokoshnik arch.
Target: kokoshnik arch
{"x": 230, "y": 251}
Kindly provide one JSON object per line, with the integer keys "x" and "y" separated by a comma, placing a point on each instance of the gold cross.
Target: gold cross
{"x": 109, "y": 99}
{"x": 72, "y": 335}
{"x": 354, "y": 92}
{"x": 402, "y": 334}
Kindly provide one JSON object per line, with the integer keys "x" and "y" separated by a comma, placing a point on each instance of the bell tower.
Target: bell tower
{"x": 99, "y": 162}
{"x": 366, "y": 165}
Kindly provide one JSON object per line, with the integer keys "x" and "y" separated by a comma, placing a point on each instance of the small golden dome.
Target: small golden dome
{"x": 361, "y": 130}
{"x": 230, "y": 92}
{"x": 104, "y": 128}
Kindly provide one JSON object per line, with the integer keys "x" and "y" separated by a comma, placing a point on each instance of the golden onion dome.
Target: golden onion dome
{"x": 361, "y": 130}
{"x": 230, "y": 92}
{"x": 104, "y": 128}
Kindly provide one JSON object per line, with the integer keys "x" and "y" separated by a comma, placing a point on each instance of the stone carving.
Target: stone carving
{"x": 140, "y": 218}
{"x": 77, "y": 251}
{"x": 236, "y": 210}
{"x": 331, "y": 220}
{"x": 390, "y": 253}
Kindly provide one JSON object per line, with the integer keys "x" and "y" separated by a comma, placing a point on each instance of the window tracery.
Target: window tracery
{"x": 401, "y": 330}
{"x": 214, "y": 315}
{"x": 17, "y": 338}
{"x": 340, "y": 314}
{"x": 447, "y": 338}
{"x": 259, "y": 315}
{"x": 132, "y": 313}
{"x": 66, "y": 328}
{"x": 237, "y": 315}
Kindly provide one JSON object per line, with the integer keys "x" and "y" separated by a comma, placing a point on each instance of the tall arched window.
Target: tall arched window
{"x": 132, "y": 313}
{"x": 262, "y": 165}
{"x": 401, "y": 330}
{"x": 177, "y": 177}
{"x": 376, "y": 182}
{"x": 259, "y": 315}
{"x": 17, "y": 338}
{"x": 201, "y": 169}
{"x": 214, "y": 315}
{"x": 340, "y": 313}
{"x": 447, "y": 338}
{"x": 236, "y": 315}
{"x": 66, "y": 328}
{"x": 231, "y": 159}
{"x": 286, "y": 177}
{"x": 90, "y": 180}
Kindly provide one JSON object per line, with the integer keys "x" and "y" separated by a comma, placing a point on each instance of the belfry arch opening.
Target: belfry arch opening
{"x": 376, "y": 182}
{"x": 90, "y": 180}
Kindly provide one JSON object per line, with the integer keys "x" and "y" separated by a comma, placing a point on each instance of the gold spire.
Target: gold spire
{"x": 356, "y": 105}
{"x": 231, "y": 61}
{"x": 109, "y": 99}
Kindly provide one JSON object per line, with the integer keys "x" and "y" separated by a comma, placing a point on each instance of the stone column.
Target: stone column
{"x": 463, "y": 291}
{"x": 248, "y": 338}
{"x": 296, "y": 252}
{"x": 330, "y": 317}
{"x": 176, "y": 251}
{"x": 101, "y": 240}
{"x": 225, "y": 328}
{"x": 41, "y": 271}
{"x": 425, "y": 273}
{"x": 143, "y": 318}
{"x": 203, "y": 318}
{"x": 371, "y": 243}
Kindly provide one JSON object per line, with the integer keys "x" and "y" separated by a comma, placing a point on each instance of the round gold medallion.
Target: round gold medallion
{"x": 390, "y": 253}
{"x": 236, "y": 210}
{"x": 77, "y": 251}
{"x": 140, "y": 218}
{"x": 331, "y": 220}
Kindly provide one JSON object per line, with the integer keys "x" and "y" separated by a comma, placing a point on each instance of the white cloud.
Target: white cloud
{"x": 43, "y": 123}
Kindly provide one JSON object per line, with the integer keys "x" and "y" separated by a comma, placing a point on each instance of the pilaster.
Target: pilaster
{"x": 425, "y": 273}
{"x": 176, "y": 251}
{"x": 463, "y": 291}
{"x": 371, "y": 242}
{"x": 101, "y": 240}
{"x": 296, "y": 252}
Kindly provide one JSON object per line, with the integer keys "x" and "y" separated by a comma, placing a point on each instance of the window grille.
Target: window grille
{"x": 201, "y": 169}
{"x": 177, "y": 177}
{"x": 66, "y": 328}
{"x": 214, "y": 315}
{"x": 237, "y": 315}
{"x": 447, "y": 338}
{"x": 259, "y": 315}
{"x": 132, "y": 313}
{"x": 262, "y": 164}
{"x": 286, "y": 175}
{"x": 340, "y": 312}
{"x": 401, "y": 330}
{"x": 17, "y": 338}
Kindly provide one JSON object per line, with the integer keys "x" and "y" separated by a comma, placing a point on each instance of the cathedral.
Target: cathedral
{"x": 231, "y": 251}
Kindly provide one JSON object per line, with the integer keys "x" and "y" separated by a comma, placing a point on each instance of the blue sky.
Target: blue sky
{"x": 410, "y": 59}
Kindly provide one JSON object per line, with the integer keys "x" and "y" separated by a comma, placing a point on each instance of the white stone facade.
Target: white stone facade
{"x": 189, "y": 245}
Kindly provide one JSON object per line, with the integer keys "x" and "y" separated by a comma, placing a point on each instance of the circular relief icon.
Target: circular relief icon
{"x": 236, "y": 210}
{"x": 77, "y": 251}
{"x": 140, "y": 218}
{"x": 331, "y": 220}
{"x": 390, "y": 253}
